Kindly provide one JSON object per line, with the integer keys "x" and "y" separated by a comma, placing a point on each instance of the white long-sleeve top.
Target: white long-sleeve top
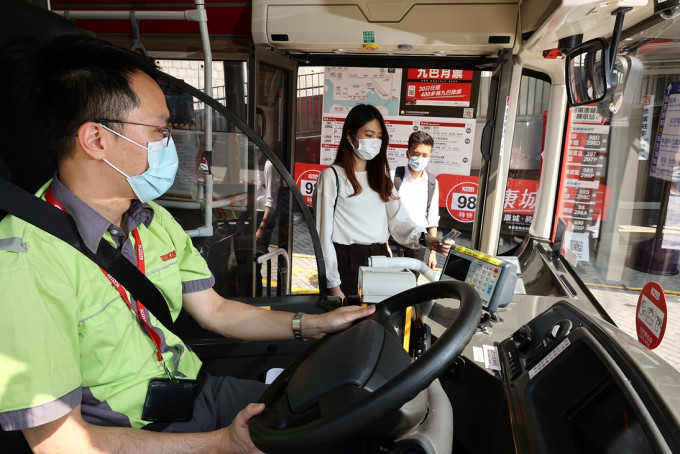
{"x": 362, "y": 219}
{"x": 413, "y": 193}
{"x": 268, "y": 185}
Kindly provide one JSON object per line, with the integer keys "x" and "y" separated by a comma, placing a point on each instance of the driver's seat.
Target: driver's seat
{"x": 21, "y": 19}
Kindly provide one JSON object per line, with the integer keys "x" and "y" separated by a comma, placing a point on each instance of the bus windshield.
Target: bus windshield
{"x": 620, "y": 180}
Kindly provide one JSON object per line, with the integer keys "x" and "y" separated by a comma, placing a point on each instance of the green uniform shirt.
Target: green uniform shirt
{"x": 68, "y": 337}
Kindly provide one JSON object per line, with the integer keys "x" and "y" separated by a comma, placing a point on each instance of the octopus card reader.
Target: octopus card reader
{"x": 493, "y": 278}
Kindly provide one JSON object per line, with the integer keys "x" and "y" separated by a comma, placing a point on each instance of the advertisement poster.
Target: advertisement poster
{"x": 665, "y": 162}
{"x": 519, "y": 206}
{"x": 345, "y": 87}
{"x": 645, "y": 132}
{"x": 453, "y": 140}
{"x": 583, "y": 195}
{"x": 458, "y": 194}
{"x": 434, "y": 92}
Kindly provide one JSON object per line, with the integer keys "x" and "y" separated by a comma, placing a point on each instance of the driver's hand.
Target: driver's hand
{"x": 236, "y": 438}
{"x": 317, "y": 326}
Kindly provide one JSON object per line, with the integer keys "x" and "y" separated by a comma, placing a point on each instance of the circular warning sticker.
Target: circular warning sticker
{"x": 461, "y": 201}
{"x": 306, "y": 181}
{"x": 650, "y": 321}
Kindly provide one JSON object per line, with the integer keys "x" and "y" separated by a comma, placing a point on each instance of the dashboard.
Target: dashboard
{"x": 554, "y": 374}
{"x": 566, "y": 392}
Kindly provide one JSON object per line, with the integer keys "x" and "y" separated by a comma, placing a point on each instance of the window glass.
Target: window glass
{"x": 448, "y": 104}
{"x": 525, "y": 162}
{"x": 238, "y": 214}
{"x": 620, "y": 190}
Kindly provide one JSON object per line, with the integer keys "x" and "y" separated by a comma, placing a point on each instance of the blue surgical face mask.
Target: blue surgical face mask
{"x": 158, "y": 178}
{"x": 368, "y": 148}
{"x": 418, "y": 164}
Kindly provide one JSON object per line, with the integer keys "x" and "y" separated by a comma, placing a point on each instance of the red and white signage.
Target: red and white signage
{"x": 306, "y": 176}
{"x": 461, "y": 201}
{"x": 438, "y": 87}
{"x": 650, "y": 322}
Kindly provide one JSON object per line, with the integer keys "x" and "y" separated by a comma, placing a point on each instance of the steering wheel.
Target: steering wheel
{"x": 348, "y": 381}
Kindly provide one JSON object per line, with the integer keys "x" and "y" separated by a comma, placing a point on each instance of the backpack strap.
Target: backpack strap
{"x": 399, "y": 173}
{"x": 431, "y": 183}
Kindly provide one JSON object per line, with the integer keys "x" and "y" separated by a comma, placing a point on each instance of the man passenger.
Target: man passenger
{"x": 419, "y": 193}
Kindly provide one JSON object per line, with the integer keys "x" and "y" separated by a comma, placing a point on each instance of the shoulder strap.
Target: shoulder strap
{"x": 399, "y": 173}
{"x": 52, "y": 220}
{"x": 337, "y": 187}
{"x": 431, "y": 183}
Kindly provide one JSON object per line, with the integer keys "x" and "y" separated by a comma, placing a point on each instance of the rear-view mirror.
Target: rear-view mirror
{"x": 587, "y": 72}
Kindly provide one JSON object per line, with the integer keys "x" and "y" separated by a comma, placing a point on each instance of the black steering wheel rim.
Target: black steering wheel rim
{"x": 389, "y": 397}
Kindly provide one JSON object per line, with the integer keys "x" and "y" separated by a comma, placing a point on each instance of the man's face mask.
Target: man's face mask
{"x": 157, "y": 179}
{"x": 418, "y": 163}
{"x": 368, "y": 148}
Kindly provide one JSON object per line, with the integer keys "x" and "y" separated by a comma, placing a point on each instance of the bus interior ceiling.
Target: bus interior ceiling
{"x": 439, "y": 29}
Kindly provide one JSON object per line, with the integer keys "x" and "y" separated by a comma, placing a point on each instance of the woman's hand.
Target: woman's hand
{"x": 335, "y": 291}
{"x": 438, "y": 244}
{"x": 432, "y": 259}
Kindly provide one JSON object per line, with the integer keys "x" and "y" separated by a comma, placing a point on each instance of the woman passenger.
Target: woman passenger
{"x": 356, "y": 206}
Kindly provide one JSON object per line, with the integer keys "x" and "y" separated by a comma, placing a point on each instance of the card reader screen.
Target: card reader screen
{"x": 457, "y": 267}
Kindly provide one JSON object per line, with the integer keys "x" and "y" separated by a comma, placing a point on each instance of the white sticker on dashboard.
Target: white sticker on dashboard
{"x": 491, "y": 358}
{"x": 548, "y": 358}
{"x": 478, "y": 354}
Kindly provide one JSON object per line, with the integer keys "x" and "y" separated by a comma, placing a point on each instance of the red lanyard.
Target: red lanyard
{"x": 141, "y": 312}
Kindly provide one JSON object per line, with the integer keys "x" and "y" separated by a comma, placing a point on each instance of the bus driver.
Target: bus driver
{"x": 87, "y": 361}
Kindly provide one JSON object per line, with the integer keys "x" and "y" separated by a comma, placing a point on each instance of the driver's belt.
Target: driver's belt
{"x": 35, "y": 211}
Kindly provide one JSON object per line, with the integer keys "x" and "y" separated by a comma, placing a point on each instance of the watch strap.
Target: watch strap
{"x": 297, "y": 325}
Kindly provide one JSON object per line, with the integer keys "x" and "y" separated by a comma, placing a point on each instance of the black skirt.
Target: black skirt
{"x": 350, "y": 258}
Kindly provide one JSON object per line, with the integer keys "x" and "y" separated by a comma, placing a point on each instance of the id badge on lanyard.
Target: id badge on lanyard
{"x": 170, "y": 400}
{"x": 167, "y": 399}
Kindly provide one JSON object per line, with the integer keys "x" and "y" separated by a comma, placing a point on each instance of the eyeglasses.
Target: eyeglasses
{"x": 415, "y": 154}
{"x": 165, "y": 130}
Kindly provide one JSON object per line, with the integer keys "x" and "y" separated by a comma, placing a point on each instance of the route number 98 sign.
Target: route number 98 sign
{"x": 306, "y": 181}
{"x": 461, "y": 201}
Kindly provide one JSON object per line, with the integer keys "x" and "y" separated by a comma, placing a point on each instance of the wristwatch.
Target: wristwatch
{"x": 421, "y": 240}
{"x": 297, "y": 325}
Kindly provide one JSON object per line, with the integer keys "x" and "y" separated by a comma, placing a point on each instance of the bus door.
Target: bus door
{"x": 271, "y": 110}
{"x": 493, "y": 169}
